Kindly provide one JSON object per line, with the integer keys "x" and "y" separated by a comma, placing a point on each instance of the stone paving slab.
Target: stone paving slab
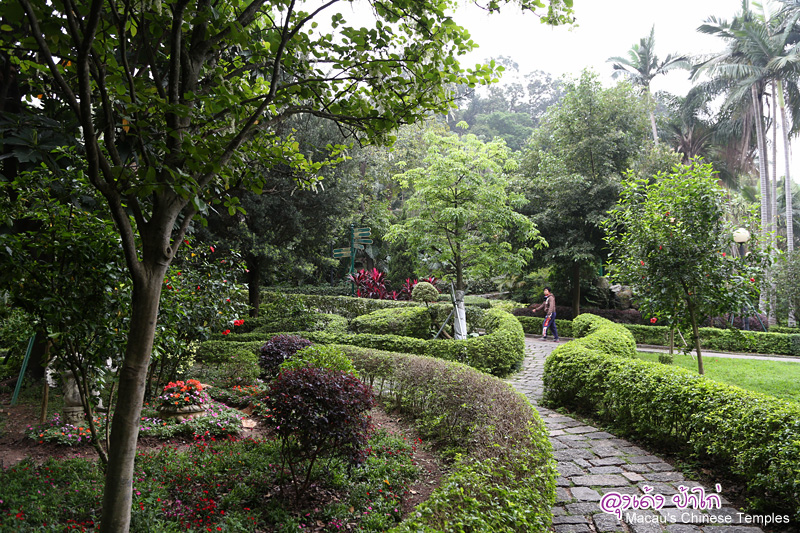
{"x": 593, "y": 463}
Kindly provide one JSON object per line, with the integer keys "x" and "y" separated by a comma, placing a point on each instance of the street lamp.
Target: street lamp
{"x": 740, "y": 237}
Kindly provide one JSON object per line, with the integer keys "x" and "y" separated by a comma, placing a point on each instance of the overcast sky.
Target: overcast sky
{"x": 606, "y": 28}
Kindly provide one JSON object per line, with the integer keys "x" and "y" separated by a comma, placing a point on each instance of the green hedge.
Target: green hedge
{"x": 784, "y": 329}
{"x": 345, "y": 306}
{"x": 655, "y": 335}
{"x": 216, "y": 352}
{"x": 503, "y": 478}
{"x": 725, "y": 340}
{"x": 533, "y": 326}
{"x": 781, "y": 341}
{"x": 499, "y": 352}
{"x": 756, "y": 437}
{"x": 407, "y": 321}
{"x": 598, "y": 333}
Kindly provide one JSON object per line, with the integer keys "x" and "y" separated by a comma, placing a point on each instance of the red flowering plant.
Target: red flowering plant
{"x": 199, "y": 299}
{"x": 668, "y": 238}
{"x": 177, "y": 394}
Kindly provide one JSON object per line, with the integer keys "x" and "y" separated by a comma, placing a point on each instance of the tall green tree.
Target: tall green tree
{"x": 642, "y": 65}
{"x": 286, "y": 232}
{"x": 573, "y": 167}
{"x": 761, "y": 50}
{"x": 669, "y": 239}
{"x": 64, "y": 267}
{"x": 169, "y": 95}
{"x": 462, "y": 214}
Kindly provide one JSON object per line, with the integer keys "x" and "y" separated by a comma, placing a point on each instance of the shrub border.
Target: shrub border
{"x": 503, "y": 460}
{"x": 755, "y": 436}
{"x": 725, "y": 340}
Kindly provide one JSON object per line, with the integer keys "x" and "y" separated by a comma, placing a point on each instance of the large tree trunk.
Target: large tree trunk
{"x": 763, "y": 302}
{"x": 459, "y": 268}
{"x": 116, "y": 515}
{"x": 787, "y": 186}
{"x": 254, "y": 284}
{"x": 576, "y": 289}
{"x": 651, "y": 104}
{"x": 773, "y": 180}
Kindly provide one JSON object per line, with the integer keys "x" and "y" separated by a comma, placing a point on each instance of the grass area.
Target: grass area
{"x": 776, "y": 378}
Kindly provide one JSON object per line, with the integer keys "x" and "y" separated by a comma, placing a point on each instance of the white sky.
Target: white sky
{"x": 606, "y": 28}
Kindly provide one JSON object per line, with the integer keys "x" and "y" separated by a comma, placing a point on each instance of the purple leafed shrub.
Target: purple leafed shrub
{"x": 277, "y": 350}
{"x": 319, "y": 413}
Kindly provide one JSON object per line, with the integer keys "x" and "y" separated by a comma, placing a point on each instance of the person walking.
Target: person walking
{"x": 549, "y": 306}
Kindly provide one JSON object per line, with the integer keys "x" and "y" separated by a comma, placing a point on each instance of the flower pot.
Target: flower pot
{"x": 181, "y": 413}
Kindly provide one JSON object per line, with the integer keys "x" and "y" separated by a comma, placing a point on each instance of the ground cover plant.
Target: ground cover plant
{"x": 224, "y": 485}
{"x": 776, "y": 378}
{"x": 223, "y": 482}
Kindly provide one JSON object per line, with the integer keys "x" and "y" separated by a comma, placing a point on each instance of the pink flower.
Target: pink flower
{"x": 642, "y": 262}
{"x": 653, "y": 320}
{"x": 723, "y": 254}
{"x": 212, "y": 249}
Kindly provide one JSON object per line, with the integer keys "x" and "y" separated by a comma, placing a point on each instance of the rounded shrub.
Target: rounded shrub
{"x": 277, "y": 350}
{"x": 320, "y": 356}
{"x": 424, "y": 292}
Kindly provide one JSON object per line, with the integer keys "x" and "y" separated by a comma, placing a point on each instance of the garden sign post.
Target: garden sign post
{"x": 358, "y": 238}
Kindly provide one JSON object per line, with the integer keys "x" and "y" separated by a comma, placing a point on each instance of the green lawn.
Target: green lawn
{"x": 777, "y": 378}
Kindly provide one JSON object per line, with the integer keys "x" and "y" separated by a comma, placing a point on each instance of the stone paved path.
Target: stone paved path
{"x": 592, "y": 463}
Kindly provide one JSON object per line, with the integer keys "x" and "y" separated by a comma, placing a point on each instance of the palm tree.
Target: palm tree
{"x": 761, "y": 51}
{"x": 642, "y": 65}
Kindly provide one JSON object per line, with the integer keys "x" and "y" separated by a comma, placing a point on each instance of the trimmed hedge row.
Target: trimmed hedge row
{"x": 345, "y": 306}
{"x": 499, "y": 352}
{"x": 533, "y": 325}
{"x": 350, "y": 308}
{"x": 504, "y": 475}
{"x": 755, "y": 436}
{"x": 727, "y": 340}
{"x": 408, "y": 322}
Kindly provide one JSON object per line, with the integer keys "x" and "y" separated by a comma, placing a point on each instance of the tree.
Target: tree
{"x": 670, "y": 241}
{"x": 573, "y": 167}
{"x": 284, "y": 233}
{"x": 64, "y": 267}
{"x": 169, "y": 95}
{"x": 461, "y": 213}
{"x": 759, "y": 52}
{"x": 642, "y": 65}
{"x": 513, "y": 128}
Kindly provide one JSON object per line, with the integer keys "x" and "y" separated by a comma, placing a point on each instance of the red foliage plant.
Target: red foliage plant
{"x": 319, "y": 413}
{"x": 277, "y": 350}
{"x": 373, "y": 284}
